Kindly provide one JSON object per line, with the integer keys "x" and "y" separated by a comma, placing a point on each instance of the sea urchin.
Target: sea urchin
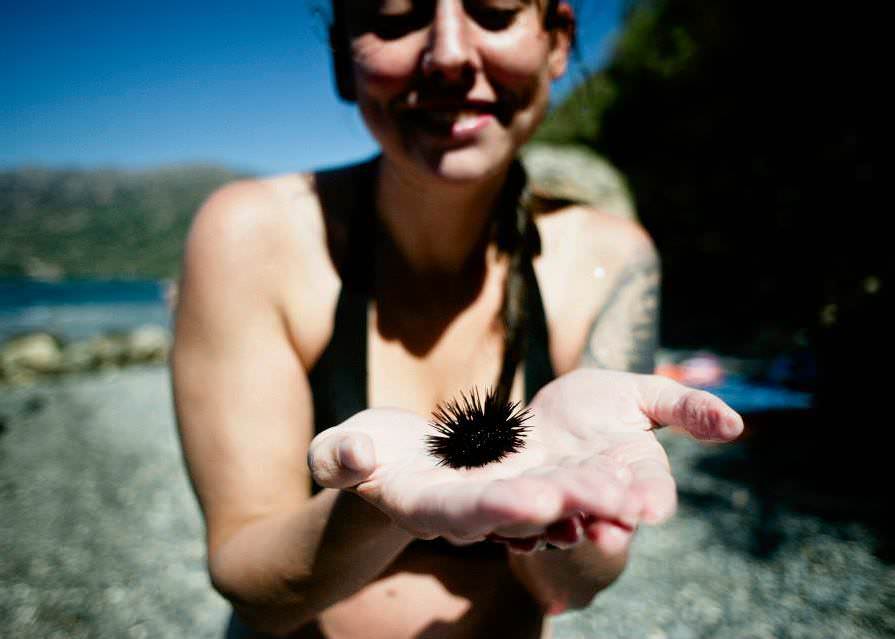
{"x": 473, "y": 432}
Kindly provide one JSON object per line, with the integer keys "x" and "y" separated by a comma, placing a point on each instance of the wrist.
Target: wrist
{"x": 356, "y": 510}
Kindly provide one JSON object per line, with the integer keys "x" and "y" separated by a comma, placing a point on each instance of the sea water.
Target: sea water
{"x": 77, "y": 309}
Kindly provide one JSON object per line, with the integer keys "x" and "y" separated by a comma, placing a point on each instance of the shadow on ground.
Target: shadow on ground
{"x": 790, "y": 461}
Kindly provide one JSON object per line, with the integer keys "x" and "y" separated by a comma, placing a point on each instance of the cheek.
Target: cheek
{"x": 381, "y": 69}
{"x": 518, "y": 67}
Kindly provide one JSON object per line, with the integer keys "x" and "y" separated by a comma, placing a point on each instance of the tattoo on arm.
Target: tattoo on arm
{"x": 624, "y": 336}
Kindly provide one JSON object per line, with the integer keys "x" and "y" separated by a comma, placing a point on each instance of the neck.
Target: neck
{"x": 439, "y": 228}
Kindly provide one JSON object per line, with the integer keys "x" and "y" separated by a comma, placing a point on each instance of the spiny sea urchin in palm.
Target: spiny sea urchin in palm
{"x": 473, "y": 432}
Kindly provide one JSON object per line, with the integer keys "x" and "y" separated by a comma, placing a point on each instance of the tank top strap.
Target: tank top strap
{"x": 339, "y": 378}
{"x": 538, "y": 367}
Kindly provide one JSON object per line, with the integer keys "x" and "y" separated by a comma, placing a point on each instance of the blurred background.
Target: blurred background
{"x": 737, "y": 132}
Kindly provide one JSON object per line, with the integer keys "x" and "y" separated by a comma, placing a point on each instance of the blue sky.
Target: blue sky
{"x": 139, "y": 84}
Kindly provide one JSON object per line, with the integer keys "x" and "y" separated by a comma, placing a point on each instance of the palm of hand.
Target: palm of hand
{"x": 590, "y": 456}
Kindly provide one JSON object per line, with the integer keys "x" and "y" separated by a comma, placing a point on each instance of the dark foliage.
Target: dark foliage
{"x": 743, "y": 129}
{"x": 473, "y": 432}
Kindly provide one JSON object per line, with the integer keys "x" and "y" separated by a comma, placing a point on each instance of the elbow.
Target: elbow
{"x": 574, "y": 589}
{"x": 255, "y": 609}
{"x": 582, "y": 597}
{"x": 228, "y": 577}
{"x": 560, "y": 602}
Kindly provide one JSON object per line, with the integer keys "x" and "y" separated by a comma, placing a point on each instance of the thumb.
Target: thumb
{"x": 701, "y": 414}
{"x": 341, "y": 460}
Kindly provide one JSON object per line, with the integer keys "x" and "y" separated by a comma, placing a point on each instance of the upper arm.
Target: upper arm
{"x": 242, "y": 397}
{"x": 624, "y": 333}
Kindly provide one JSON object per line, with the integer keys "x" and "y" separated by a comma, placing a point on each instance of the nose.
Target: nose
{"x": 450, "y": 52}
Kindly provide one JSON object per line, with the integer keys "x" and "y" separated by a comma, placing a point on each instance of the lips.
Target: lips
{"x": 450, "y": 119}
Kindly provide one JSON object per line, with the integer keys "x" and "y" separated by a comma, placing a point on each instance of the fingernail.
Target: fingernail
{"x": 565, "y": 533}
{"x": 523, "y": 546}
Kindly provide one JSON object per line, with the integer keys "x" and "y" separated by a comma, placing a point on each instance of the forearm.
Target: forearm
{"x": 281, "y": 572}
{"x": 564, "y": 579}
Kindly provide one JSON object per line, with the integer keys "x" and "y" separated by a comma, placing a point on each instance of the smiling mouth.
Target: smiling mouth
{"x": 450, "y": 120}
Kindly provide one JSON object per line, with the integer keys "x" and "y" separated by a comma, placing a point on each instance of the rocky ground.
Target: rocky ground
{"x": 100, "y": 537}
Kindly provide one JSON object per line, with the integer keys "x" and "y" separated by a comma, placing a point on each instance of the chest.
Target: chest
{"x": 382, "y": 355}
{"x": 377, "y": 354}
{"x": 416, "y": 370}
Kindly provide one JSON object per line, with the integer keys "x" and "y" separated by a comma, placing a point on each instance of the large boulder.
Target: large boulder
{"x": 109, "y": 350}
{"x": 25, "y": 356}
{"x": 577, "y": 174}
{"x": 149, "y": 343}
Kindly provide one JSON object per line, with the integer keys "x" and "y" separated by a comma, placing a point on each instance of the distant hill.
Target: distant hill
{"x": 100, "y": 223}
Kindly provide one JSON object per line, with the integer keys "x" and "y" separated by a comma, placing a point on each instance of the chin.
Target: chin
{"x": 463, "y": 165}
{"x": 468, "y": 165}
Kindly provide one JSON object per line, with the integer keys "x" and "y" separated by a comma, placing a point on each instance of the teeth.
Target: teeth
{"x": 441, "y": 121}
{"x": 452, "y": 117}
{"x": 467, "y": 117}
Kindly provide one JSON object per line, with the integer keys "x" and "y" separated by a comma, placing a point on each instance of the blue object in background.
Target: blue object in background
{"x": 747, "y": 396}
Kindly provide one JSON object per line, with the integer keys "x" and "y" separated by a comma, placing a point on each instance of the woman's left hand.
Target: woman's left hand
{"x": 600, "y": 424}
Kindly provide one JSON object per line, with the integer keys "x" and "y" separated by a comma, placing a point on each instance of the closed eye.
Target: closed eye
{"x": 371, "y": 18}
{"x": 493, "y": 19}
{"x": 389, "y": 23}
{"x": 397, "y": 25}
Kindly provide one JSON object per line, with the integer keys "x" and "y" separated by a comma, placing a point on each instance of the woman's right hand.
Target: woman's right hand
{"x": 381, "y": 455}
{"x": 590, "y": 457}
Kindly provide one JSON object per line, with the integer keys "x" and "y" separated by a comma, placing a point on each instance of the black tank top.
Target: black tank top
{"x": 339, "y": 378}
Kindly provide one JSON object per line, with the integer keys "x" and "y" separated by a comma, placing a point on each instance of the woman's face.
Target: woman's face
{"x": 453, "y": 87}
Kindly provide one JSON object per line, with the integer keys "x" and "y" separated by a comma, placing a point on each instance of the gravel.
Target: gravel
{"x": 100, "y": 534}
{"x": 100, "y": 537}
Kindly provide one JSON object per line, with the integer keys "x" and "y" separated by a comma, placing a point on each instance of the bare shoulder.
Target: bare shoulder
{"x": 584, "y": 232}
{"x": 260, "y": 246}
{"x": 587, "y": 255}
{"x": 270, "y": 218}
{"x": 586, "y": 251}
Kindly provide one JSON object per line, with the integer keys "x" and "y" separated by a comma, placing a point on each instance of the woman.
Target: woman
{"x": 401, "y": 283}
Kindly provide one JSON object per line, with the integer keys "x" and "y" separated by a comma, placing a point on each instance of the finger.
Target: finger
{"x": 594, "y": 488}
{"x": 699, "y": 413}
{"x": 565, "y": 533}
{"x": 341, "y": 460}
{"x": 611, "y": 537}
{"x": 524, "y": 546}
{"x": 601, "y": 488}
{"x": 469, "y": 510}
{"x": 656, "y": 490}
{"x": 521, "y": 507}
{"x": 527, "y": 546}
{"x": 521, "y": 545}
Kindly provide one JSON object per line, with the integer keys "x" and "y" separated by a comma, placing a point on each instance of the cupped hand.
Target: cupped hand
{"x": 591, "y": 465}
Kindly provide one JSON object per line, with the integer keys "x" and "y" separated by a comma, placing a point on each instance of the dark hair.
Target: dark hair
{"x": 516, "y": 235}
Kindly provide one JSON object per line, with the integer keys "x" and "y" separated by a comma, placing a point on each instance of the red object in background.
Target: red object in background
{"x": 702, "y": 370}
